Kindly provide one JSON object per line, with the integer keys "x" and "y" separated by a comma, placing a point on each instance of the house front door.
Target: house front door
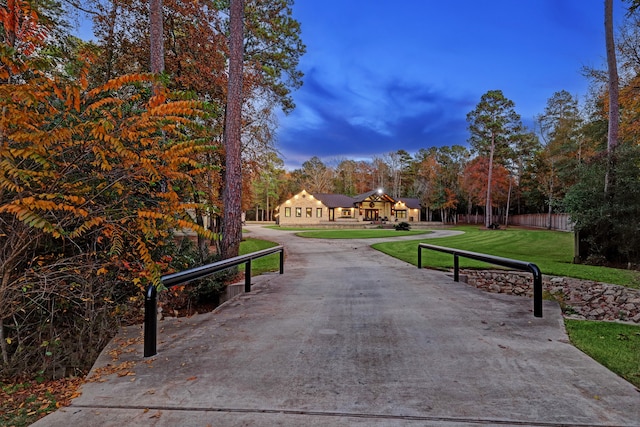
{"x": 371, "y": 214}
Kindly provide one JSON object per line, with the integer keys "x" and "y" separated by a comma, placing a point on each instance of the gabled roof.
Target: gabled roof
{"x": 410, "y": 202}
{"x": 341, "y": 201}
{"x": 362, "y": 197}
{"x": 335, "y": 200}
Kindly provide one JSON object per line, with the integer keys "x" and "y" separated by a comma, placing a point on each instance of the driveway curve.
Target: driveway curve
{"x": 348, "y": 336}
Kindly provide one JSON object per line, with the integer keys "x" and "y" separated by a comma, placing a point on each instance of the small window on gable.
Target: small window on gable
{"x": 318, "y": 212}
{"x": 298, "y": 212}
{"x": 287, "y": 211}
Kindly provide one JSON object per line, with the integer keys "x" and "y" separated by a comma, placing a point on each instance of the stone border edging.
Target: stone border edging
{"x": 582, "y": 299}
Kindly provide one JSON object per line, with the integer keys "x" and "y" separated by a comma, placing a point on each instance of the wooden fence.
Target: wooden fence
{"x": 560, "y": 222}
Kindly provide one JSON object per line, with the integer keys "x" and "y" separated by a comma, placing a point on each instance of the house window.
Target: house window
{"x": 346, "y": 212}
{"x": 287, "y": 211}
{"x": 298, "y": 212}
{"x": 318, "y": 212}
{"x": 309, "y": 212}
{"x": 401, "y": 214}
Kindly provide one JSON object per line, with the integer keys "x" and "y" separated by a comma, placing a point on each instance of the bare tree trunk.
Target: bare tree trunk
{"x": 232, "y": 195}
{"x": 506, "y": 214}
{"x": 110, "y": 45}
{"x": 268, "y": 209}
{"x": 156, "y": 36}
{"x": 614, "y": 109}
{"x": 487, "y": 213}
{"x": 3, "y": 344}
{"x": 203, "y": 249}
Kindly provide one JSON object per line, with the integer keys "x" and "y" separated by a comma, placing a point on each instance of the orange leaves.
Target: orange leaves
{"x": 35, "y": 211}
{"x": 630, "y": 110}
{"x": 451, "y": 199}
{"x": 104, "y": 102}
{"x": 73, "y": 98}
{"x": 86, "y": 226}
{"x": 20, "y": 22}
{"x": 102, "y": 169}
{"x": 31, "y": 218}
{"x": 177, "y": 109}
{"x": 118, "y": 83}
{"x": 175, "y": 222}
{"x": 474, "y": 181}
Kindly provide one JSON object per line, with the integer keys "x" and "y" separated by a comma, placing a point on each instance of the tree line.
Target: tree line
{"x": 109, "y": 148}
{"x": 579, "y": 158}
{"x": 530, "y": 170}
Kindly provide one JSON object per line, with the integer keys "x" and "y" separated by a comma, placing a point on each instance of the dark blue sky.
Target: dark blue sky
{"x": 382, "y": 76}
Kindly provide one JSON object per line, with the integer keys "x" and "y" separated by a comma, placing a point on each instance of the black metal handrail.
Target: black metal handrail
{"x": 179, "y": 278}
{"x": 505, "y": 262}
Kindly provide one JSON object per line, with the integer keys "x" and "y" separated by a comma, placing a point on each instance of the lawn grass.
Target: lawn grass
{"x": 551, "y": 251}
{"x": 264, "y": 264}
{"x": 614, "y": 345}
{"x": 369, "y": 233}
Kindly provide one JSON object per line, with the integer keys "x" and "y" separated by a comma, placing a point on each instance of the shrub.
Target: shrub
{"x": 402, "y": 226}
{"x": 89, "y": 192}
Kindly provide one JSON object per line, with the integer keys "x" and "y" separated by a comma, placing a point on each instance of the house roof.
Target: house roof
{"x": 410, "y": 202}
{"x": 331, "y": 200}
{"x": 335, "y": 200}
{"x": 362, "y": 197}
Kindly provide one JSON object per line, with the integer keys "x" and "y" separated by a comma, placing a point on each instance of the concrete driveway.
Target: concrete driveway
{"x": 349, "y": 336}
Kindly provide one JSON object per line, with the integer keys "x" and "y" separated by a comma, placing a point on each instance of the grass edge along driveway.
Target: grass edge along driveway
{"x": 365, "y": 233}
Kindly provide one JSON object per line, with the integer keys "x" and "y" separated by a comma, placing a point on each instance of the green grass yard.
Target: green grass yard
{"x": 551, "y": 251}
{"x": 614, "y": 345}
{"x": 263, "y": 264}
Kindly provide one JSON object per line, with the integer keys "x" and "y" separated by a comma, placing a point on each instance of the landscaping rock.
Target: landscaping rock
{"x": 583, "y": 299}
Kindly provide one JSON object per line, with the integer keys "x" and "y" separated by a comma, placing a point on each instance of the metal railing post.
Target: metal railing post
{"x": 537, "y": 290}
{"x": 492, "y": 259}
{"x": 174, "y": 279}
{"x": 150, "y": 321}
{"x": 456, "y": 268}
{"x": 281, "y": 261}
{"x": 247, "y": 276}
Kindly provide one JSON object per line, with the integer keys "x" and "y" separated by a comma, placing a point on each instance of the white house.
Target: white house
{"x": 306, "y": 208}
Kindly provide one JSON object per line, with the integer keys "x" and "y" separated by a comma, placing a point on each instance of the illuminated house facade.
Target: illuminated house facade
{"x": 306, "y": 208}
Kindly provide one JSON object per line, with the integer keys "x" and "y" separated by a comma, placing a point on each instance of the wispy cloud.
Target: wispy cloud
{"x": 380, "y": 78}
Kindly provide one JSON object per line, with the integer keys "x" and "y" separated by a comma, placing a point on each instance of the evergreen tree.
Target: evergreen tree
{"x": 492, "y": 125}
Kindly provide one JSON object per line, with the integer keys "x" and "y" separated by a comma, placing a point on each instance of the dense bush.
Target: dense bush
{"x": 90, "y": 189}
{"x": 607, "y": 223}
{"x": 402, "y": 226}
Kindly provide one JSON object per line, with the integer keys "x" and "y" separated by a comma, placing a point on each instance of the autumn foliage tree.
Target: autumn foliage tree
{"x": 474, "y": 182}
{"x": 89, "y": 197}
{"x": 196, "y": 37}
